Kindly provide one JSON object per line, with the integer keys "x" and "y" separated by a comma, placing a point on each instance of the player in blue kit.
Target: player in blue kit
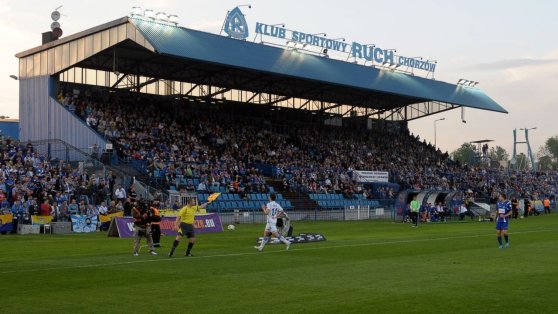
{"x": 504, "y": 208}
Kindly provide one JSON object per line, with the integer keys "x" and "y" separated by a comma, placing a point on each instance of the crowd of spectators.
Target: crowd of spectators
{"x": 33, "y": 184}
{"x": 221, "y": 147}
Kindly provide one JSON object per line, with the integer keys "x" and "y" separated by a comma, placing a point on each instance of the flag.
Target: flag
{"x": 213, "y": 197}
{"x": 40, "y": 220}
{"x": 82, "y": 223}
{"x": 6, "y": 222}
{"x": 105, "y": 219}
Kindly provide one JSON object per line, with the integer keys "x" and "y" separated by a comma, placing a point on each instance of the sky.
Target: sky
{"x": 509, "y": 46}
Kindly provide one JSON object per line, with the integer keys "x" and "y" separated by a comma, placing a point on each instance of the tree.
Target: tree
{"x": 551, "y": 146}
{"x": 545, "y": 161}
{"x": 521, "y": 162}
{"x": 465, "y": 154}
{"x": 498, "y": 153}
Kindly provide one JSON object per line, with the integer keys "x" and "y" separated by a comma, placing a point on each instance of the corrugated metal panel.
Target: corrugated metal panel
{"x": 206, "y": 47}
{"x": 63, "y": 54}
{"x": 43, "y": 118}
{"x": 9, "y": 128}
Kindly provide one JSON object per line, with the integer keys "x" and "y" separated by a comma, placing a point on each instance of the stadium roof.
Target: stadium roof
{"x": 160, "y": 51}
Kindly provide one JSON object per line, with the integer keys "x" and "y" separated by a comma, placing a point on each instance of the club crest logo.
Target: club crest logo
{"x": 235, "y": 24}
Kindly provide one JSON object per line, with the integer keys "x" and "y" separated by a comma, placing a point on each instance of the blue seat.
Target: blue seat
{"x": 288, "y": 204}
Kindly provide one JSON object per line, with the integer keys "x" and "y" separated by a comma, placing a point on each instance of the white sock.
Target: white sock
{"x": 264, "y": 242}
{"x": 282, "y": 239}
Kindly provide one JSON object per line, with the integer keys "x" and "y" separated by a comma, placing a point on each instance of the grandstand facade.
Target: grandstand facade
{"x": 150, "y": 57}
{"x": 147, "y": 68}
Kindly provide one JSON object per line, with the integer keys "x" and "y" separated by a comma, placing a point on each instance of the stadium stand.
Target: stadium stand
{"x": 30, "y": 179}
{"x": 230, "y": 149}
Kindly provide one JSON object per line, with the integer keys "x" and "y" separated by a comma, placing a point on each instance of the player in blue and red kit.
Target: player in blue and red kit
{"x": 504, "y": 208}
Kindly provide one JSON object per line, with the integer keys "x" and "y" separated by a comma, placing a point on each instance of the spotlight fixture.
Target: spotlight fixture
{"x": 149, "y": 13}
{"x": 173, "y": 18}
{"x": 136, "y": 11}
{"x": 161, "y": 16}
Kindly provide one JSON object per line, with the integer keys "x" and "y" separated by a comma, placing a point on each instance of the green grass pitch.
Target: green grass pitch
{"x": 363, "y": 267}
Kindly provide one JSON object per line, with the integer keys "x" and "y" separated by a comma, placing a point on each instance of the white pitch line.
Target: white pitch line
{"x": 256, "y": 253}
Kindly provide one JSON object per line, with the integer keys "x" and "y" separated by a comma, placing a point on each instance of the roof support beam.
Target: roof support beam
{"x": 350, "y": 109}
{"x": 119, "y": 80}
{"x": 304, "y": 104}
{"x": 191, "y": 89}
{"x": 278, "y": 99}
{"x": 252, "y": 98}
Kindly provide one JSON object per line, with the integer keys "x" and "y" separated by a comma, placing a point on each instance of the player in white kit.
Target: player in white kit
{"x": 273, "y": 211}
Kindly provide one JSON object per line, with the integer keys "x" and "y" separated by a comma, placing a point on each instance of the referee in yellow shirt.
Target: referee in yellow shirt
{"x": 185, "y": 224}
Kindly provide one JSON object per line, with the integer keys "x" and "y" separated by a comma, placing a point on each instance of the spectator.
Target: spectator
{"x": 73, "y": 208}
{"x": 120, "y": 193}
{"x": 46, "y": 209}
{"x": 102, "y": 208}
{"x": 202, "y": 188}
{"x": 546, "y": 204}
